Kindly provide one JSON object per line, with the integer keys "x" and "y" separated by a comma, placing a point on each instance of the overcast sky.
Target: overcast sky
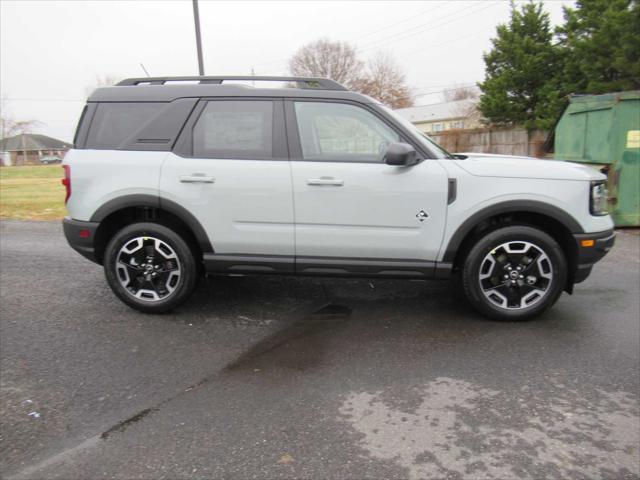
{"x": 52, "y": 51}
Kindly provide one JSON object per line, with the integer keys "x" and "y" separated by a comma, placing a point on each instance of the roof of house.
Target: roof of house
{"x": 436, "y": 111}
{"x": 32, "y": 141}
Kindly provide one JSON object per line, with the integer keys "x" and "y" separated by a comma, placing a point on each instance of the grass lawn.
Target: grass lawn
{"x": 32, "y": 192}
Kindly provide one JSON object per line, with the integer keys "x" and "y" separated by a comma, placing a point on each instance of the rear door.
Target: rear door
{"x": 230, "y": 169}
{"x": 350, "y": 206}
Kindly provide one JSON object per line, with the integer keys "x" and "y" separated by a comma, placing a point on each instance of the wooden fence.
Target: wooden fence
{"x": 515, "y": 141}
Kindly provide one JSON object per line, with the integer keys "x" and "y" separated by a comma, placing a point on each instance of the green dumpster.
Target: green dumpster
{"x": 604, "y": 132}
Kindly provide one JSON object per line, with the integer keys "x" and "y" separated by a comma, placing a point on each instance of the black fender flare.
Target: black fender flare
{"x": 152, "y": 201}
{"x": 524, "y": 206}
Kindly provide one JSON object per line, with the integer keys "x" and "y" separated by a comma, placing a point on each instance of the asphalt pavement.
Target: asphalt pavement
{"x": 275, "y": 377}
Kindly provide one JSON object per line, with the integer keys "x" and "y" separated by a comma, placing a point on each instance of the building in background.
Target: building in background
{"x": 30, "y": 149}
{"x": 440, "y": 117}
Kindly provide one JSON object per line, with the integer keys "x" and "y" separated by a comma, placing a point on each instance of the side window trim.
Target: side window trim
{"x": 293, "y": 135}
{"x": 184, "y": 145}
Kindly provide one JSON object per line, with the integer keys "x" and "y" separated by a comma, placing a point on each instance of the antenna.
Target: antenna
{"x": 145, "y": 70}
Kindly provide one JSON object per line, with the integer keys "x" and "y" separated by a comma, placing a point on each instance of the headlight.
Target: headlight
{"x": 598, "y": 200}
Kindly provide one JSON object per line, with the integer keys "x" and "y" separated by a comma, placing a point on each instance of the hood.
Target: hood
{"x": 508, "y": 166}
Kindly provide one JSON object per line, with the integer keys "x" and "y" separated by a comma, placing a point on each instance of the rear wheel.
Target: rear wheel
{"x": 150, "y": 267}
{"x": 514, "y": 273}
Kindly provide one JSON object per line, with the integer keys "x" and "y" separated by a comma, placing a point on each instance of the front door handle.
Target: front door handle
{"x": 197, "y": 178}
{"x": 335, "y": 182}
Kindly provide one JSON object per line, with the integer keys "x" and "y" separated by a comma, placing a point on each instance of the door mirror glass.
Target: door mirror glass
{"x": 401, "y": 154}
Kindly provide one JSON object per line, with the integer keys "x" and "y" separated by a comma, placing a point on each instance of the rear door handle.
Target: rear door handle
{"x": 335, "y": 182}
{"x": 197, "y": 178}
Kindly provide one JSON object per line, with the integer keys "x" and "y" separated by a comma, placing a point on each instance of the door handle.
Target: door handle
{"x": 330, "y": 181}
{"x": 197, "y": 178}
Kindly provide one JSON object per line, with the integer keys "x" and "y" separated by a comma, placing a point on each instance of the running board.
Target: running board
{"x": 228, "y": 264}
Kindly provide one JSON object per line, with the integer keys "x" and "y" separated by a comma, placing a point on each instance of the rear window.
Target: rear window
{"x": 113, "y": 123}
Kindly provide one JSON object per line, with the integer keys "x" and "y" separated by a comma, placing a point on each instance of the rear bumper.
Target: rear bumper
{"x": 589, "y": 255}
{"x": 80, "y": 236}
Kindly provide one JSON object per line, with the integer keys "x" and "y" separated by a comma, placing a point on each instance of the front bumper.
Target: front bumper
{"x": 589, "y": 255}
{"x": 81, "y": 236}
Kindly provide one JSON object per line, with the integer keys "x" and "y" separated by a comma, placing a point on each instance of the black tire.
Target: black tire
{"x": 489, "y": 253}
{"x": 182, "y": 260}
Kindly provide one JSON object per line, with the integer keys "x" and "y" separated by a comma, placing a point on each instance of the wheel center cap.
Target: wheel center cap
{"x": 514, "y": 274}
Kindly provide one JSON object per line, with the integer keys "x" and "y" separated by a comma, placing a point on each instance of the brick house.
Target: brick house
{"x": 29, "y": 148}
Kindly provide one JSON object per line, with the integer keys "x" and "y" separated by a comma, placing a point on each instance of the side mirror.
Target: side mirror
{"x": 401, "y": 155}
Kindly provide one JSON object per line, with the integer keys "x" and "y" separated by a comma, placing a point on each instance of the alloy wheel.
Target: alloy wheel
{"x": 515, "y": 275}
{"x": 148, "y": 268}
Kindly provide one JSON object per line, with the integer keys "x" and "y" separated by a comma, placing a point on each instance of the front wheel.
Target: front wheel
{"x": 514, "y": 273}
{"x": 150, "y": 267}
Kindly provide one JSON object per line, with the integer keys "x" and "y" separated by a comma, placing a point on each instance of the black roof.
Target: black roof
{"x": 159, "y": 89}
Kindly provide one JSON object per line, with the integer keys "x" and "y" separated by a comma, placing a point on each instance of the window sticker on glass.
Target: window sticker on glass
{"x": 235, "y": 129}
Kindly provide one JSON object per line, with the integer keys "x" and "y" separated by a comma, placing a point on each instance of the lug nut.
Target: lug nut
{"x": 520, "y": 276}
{"x": 506, "y": 276}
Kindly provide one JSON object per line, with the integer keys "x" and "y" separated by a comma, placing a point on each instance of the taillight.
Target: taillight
{"x": 66, "y": 181}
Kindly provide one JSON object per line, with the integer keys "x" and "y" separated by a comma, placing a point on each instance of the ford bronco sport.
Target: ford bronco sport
{"x": 173, "y": 177}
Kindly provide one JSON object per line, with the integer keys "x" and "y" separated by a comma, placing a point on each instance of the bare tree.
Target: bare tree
{"x": 460, "y": 92}
{"x": 381, "y": 78}
{"x": 9, "y": 126}
{"x": 324, "y": 58}
{"x": 384, "y": 81}
{"x": 101, "y": 81}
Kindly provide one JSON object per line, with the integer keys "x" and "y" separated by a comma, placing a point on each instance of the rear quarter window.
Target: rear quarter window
{"x": 113, "y": 123}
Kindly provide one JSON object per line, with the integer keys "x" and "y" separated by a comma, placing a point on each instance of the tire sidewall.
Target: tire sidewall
{"x": 497, "y": 237}
{"x": 185, "y": 255}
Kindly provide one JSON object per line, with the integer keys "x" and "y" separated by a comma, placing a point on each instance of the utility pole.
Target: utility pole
{"x": 196, "y": 19}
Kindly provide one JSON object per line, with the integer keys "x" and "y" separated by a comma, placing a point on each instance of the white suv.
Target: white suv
{"x": 173, "y": 177}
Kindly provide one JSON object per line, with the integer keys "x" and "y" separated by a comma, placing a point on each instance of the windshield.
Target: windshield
{"x": 425, "y": 139}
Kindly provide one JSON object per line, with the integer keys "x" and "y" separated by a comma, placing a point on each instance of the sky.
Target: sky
{"x": 52, "y": 52}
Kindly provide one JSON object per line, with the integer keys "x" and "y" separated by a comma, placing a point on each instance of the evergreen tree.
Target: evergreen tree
{"x": 521, "y": 85}
{"x": 600, "y": 42}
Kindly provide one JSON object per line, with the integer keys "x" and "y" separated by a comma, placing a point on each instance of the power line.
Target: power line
{"x": 423, "y": 28}
{"x": 392, "y": 25}
{"x": 282, "y": 60}
{"x": 446, "y": 42}
{"x": 44, "y": 100}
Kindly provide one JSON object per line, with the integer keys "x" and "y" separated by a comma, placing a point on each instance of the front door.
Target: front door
{"x": 349, "y": 205}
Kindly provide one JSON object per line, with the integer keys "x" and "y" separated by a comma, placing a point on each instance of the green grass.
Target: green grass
{"x": 32, "y": 192}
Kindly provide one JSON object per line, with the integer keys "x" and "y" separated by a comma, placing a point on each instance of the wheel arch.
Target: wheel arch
{"x": 128, "y": 209}
{"x": 559, "y": 224}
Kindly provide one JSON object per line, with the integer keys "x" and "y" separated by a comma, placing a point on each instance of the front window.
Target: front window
{"x": 338, "y": 132}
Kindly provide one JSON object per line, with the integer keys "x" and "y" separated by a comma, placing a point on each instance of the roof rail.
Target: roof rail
{"x": 312, "y": 83}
